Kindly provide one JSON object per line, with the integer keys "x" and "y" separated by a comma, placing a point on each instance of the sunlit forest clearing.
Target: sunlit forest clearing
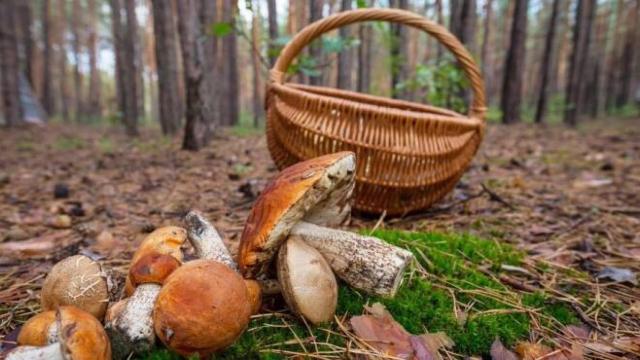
{"x": 321, "y": 179}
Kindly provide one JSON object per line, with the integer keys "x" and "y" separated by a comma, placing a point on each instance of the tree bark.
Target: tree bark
{"x": 364, "y": 57}
{"x": 514, "y": 68}
{"x": 546, "y": 62}
{"x": 273, "y": 31}
{"x": 463, "y": 22}
{"x": 229, "y": 108}
{"x": 132, "y": 71}
{"x": 9, "y": 67}
{"x": 624, "y": 96}
{"x": 27, "y": 41}
{"x": 48, "y": 102}
{"x": 94, "y": 104}
{"x": 164, "y": 29}
{"x": 76, "y": 26}
{"x": 211, "y": 44}
{"x": 345, "y": 58}
{"x": 63, "y": 87}
{"x": 485, "y": 56}
{"x": 399, "y": 54}
{"x": 257, "y": 70}
{"x": 197, "y": 132}
{"x": 315, "y": 49}
{"x": 577, "y": 61}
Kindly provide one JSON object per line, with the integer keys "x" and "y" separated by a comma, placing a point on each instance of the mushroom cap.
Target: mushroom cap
{"x": 203, "y": 307}
{"x": 255, "y": 295}
{"x": 114, "y": 310}
{"x": 78, "y": 281}
{"x": 81, "y": 335}
{"x": 167, "y": 240}
{"x": 35, "y": 331}
{"x": 316, "y": 190}
{"x": 308, "y": 284}
{"x": 152, "y": 268}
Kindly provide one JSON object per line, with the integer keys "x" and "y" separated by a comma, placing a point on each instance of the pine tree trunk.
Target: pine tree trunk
{"x": 315, "y": 49}
{"x": 577, "y": 61}
{"x": 485, "y": 56}
{"x": 76, "y": 26}
{"x": 257, "y": 70}
{"x": 133, "y": 74}
{"x": 164, "y": 28}
{"x": 208, "y": 17}
{"x": 27, "y": 41}
{"x": 364, "y": 58}
{"x": 345, "y": 58}
{"x": 229, "y": 105}
{"x": 63, "y": 87}
{"x": 48, "y": 102}
{"x": 614, "y": 66}
{"x": 273, "y": 31}
{"x": 463, "y": 22}
{"x": 514, "y": 68}
{"x": 9, "y": 67}
{"x": 546, "y": 62}
{"x": 624, "y": 96}
{"x": 399, "y": 54}
{"x": 197, "y": 132}
{"x": 94, "y": 106}
{"x": 440, "y": 17}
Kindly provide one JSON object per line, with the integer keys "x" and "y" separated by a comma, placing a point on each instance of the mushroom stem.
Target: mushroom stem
{"x": 364, "y": 262}
{"x": 49, "y": 352}
{"x": 132, "y": 330}
{"x": 206, "y": 240}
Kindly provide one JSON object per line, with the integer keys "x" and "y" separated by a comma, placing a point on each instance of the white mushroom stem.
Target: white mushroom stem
{"x": 132, "y": 330}
{"x": 364, "y": 262}
{"x": 206, "y": 240}
{"x": 49, "y": 352}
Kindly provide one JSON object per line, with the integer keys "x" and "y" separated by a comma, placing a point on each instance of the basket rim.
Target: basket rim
{"x": 332, "y": 95}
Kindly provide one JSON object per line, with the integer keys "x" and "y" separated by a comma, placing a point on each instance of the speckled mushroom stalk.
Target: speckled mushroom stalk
{"x": 130, "y": 326}
{"x": 79, "y": 336}
{"x": 307, "y": 200}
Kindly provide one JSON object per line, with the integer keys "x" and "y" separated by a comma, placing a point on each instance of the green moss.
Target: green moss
{"x": 486, "y": 308}
{"x": 69, "y": 143}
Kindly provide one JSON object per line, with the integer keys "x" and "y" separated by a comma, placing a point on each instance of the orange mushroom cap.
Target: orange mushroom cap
{"x": 152, "y": 268}
{"x": 35, "y": 331}
{"x": 81, "y": 335}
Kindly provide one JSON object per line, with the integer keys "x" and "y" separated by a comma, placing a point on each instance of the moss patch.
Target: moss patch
{"x": 485, "y": 309}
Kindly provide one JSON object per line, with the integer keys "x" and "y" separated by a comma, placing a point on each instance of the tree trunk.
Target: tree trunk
{"x": 399, "y": 54}
{"x": 514, "y": 68}
{"x": 9, "y": 67}
{"x": 345, "y": 58}
{"x": 132, "y": 70}
{"x": 257, "y": 69}
{"x": 118, "y": 51}
{"x": 63, "y": 87}
{"x": 463, "y": 22}
{"x": 624, "y": 96}
{"x": 546, "y": 62}
{"x": 485, "y": 56}
{"x": 76, "y": 26}
{"x": 577, "y": 61}
{"x": 440, "y": 16}
{"x": 364, "y": 57}
{"x": 273, "y": 31}
{"x": 94, "y": 105}
{"x": 48, "y": 102}
{"x": 164, "y": 29}
{"x": 197, "y": 132}
{"x": 26, "y": 39}
{"x": 229, "y": 107}
{"x": 208, "y": 17}
{"x": 315, "y": 49}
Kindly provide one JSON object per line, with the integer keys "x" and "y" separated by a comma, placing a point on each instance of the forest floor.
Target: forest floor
{"x": 569, "y": 199}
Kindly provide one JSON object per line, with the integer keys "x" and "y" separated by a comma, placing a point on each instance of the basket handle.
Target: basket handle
{"x": 314, "y": 30}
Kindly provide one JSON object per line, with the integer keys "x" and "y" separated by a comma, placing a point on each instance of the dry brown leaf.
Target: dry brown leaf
{"x": 499, "y": 352}
{"x": 40, "y": 247}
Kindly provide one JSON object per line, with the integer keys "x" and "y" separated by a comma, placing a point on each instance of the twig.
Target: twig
{"x": 495, "y": 197}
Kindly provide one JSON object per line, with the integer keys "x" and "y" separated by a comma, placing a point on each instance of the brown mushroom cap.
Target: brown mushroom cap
{"x": 317, "y": 190}
{"x": 152, "y": 268}
{"x": 81, "y": 335}
{"x": 308, "y": 284}
{"x": 35, "y": 331}
{"x": 203, "y": 307}
{"x": 78, "y": 281}
{"x": 166, "y": 240}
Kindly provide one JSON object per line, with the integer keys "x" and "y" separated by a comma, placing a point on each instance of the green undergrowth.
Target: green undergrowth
{"x": 485, "y": 309}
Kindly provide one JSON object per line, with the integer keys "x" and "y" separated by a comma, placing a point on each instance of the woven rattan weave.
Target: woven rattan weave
{"x": 409, "y": 155}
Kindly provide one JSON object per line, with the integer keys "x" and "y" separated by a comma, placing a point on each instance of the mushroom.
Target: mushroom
{"x": 78, "y": 281}
{"x": 202, "y": 308}
{"x": 307, "y": 200}
{"x": 80, "y": 336}
{"x": 131, "y": 324}
{"x": 38, "y": 331}
{"x": 208, "y": 245}
{"x": 308, "y": 284}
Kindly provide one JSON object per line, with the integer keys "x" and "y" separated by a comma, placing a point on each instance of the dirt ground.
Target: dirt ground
{"x": 569, "y": 198}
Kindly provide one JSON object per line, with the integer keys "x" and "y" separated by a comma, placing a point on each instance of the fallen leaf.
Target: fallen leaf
{"x": 434, "y": 342}
{"x": 618, "y": 275}
{"x": 531, "y": 351}
{"x": 40, "y": 247}
{"x": 499, "y": 352}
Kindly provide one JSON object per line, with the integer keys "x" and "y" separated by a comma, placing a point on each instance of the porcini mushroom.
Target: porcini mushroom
{"x": 78, "y": 281}
{"x": 308, "y": 284}
{"x": 306, "y": 200}
{"x": 37, "y": 331}
{"x": 202, "y": 308}
{"x": 208, "y": 245}
{"x": 80, "y": 336}
{"x": 131, "y": 329}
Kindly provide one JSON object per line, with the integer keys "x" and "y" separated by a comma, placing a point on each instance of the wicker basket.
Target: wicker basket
{"x": 409, "y": 155}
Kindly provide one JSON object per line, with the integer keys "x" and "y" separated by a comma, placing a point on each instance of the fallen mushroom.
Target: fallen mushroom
{"x": 131, "y": 328}
{"x": 80, "y": 336}
{"x": 208, "y": 245}
{"x": 202, "y": 308}
{"x": 308, "y": 284}
{"x": 305, "y": 200}
{"x": 37, "y": 331}
{"x": 78, "y": 281}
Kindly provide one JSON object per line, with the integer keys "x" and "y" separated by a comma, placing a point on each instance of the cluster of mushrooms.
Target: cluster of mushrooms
{"x": 202, "y": 306}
